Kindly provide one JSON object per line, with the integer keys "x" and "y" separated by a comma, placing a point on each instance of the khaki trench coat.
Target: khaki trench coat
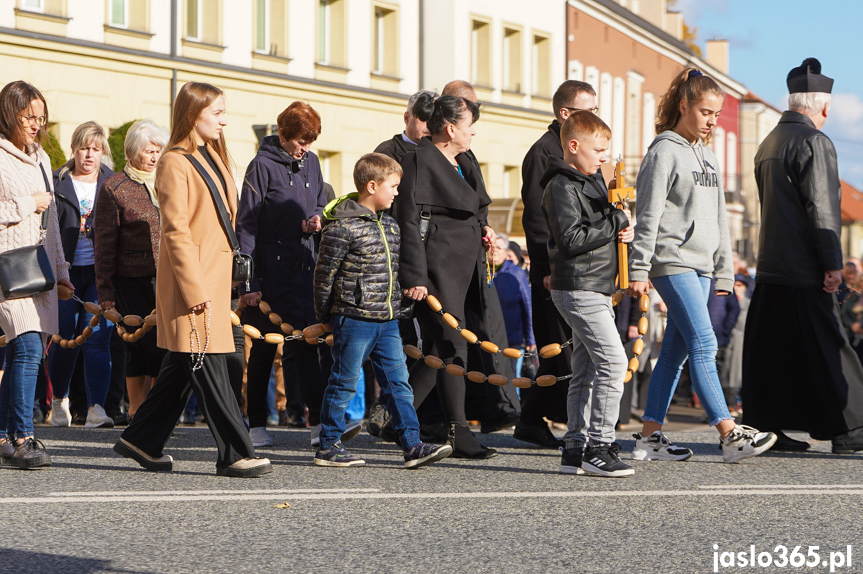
{"x": 194, "y": 256}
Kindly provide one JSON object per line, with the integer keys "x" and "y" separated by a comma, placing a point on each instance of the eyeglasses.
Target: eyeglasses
{"x": 591, "y": 110}
{"x": 38, "y": 120}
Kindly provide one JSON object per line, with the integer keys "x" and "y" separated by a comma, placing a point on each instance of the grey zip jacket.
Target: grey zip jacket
{"x": 681, "y": 222}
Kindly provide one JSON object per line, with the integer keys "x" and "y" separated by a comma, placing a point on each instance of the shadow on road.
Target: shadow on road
{"x": 24, "y": 562}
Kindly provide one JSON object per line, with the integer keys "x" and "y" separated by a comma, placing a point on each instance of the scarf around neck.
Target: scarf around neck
{"x": 146, "y": 178}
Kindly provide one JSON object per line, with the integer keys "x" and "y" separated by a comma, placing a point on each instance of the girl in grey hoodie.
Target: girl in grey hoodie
{"x": 681, "y": 242}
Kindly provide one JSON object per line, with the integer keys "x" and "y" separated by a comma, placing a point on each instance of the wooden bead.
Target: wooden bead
{"x": 133, "y": 320}
{"x": 92, "y": 308}
{"x": 265, "y": 307}
{"x": 86, "y": 332}
{"x": 638, "y": 347}
{"x": 64, "y": 343}
{"x": 413, "y": 352}
{"x": 468, "y": 336}
{"x": 328, "y": 328}
{"x": 617, "y": 297}
{"x": 94, "y": 320}
{"x": 147, "y": 327}
{"x": 3, "y": 341}
{"x": 628, "y": 377}
{"x": 296, "y": 333}
{"x": 434, "y": 362}
{"x": 476, "y": 377}
{"x": 286, "y": 328}
{"x": 642, "y": 326}
{"x": 235, "y": 319}
{"x": 644, "y": 303}
{"x": 315, "y": 331}
{"x": 251, "y": 332}
{"x": 139, "y": 333}
{"x": 274, "y": 338}
{"x": 129, "y": 338}
{"x": 633, "y": 364}
{"x": 546, "y": 380}
{"x": 239, "y": 310}
{"x": 455, "y": 370}
{"x": 434, "y": 303}
{"x": 55, "y": 338}
{"x": 80, "y": 340}
{"x": 153, "y": 312}
{"x": 275, "y": 319}
{"x": 71, "y": 344}
{"x": 240, "y": 305}
{"x": 330, "y": 340}
{"x": 550, "y": 351}
{"x": 121, "y": 330}
{"x": 450, "y": 320}
{"x": 498, "y": 380}
{"x": 512, "y": 353}
{"x": 489, "y": 347}
{"x": 64, "y": 292}
{"x": 521, "y": 383}
{"x": 113, "y": 316}
{"x": 152, "y": 319}
{"x": 311, "y": 340}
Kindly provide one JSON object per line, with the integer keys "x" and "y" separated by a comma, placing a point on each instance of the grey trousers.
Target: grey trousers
{"x": 598, "y": 367}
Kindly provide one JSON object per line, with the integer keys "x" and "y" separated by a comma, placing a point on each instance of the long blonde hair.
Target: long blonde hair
{"x": 690, "y": 85}
{"x": 194, "y": 98}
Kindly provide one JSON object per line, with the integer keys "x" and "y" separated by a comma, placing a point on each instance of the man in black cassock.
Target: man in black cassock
{"x": 799, "y": 371}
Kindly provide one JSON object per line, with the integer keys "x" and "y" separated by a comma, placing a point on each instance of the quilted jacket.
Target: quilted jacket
{"x": 357, "y": 270}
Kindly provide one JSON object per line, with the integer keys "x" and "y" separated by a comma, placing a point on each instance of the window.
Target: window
{"x": 385, "y": 41}
{"x": 193, "y": 19}
{"x": 618, "y": 118}
{"x": 480, "y": 53}
{"x": 648, "y": 131}
{"x": 591, "y": 76}
{"x": 331, "y": 33}
{"x": 119, "y": 13}
{"x": 33, "y": 5}
{"x": 270, "y": 27}
{"x": 511, "y": 181}
{"x": 204, "y": 21}
{"x": 717, "y": 142}
{"x": 605, "y": 97}
{"x": 576, "y": 71}
{"x": 323, "y": 31}
{"x": 512, "y": 50}
{"x": 262, "y": 30}
{"x": 542, "y": 66}
{"x": 731, "y": 162}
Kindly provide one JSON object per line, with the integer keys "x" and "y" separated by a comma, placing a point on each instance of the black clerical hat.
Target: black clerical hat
{"x": 807, "y": 78}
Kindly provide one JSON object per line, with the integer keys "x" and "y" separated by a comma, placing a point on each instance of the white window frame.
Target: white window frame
{"x": 33, "y": 5}
{"x": 474, "y": 46}
{"x": 125, "y": 23}
{"x": 265, "y": 30}
{"x": 378, "y": 63}
{"x": 198, "y": 24}
{"x": 324, "y": 32}
{"x": 731, "y": 161}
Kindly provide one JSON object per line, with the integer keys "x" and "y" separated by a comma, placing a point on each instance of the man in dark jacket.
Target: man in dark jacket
{"x": 548, "y": 326}
{"x": 799, "y": 372}
{"x": 415, "y": 130}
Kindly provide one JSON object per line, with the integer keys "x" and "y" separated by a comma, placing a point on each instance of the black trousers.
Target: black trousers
{"x": 137, "y": 296}
{"x": 158, "y": 415}
{"x": 308, "y": 364}
{"x": 548, "y": 327}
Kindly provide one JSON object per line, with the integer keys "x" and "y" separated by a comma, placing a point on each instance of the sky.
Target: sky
{"x": 769, "y": 37}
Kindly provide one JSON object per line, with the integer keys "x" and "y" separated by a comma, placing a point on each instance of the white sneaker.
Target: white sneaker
{"x": 260, "y": 437}
{"x": 60, "y": 414}
{"x": 97, "y": 418}
{"x": 658, "y": 447}
{"x": 351, "y": 431}
{"x": 745, "y": 442}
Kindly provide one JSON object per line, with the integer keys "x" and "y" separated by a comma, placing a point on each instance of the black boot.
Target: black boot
{"x": 465, "y": 445}
{"x": 786, "y": 443}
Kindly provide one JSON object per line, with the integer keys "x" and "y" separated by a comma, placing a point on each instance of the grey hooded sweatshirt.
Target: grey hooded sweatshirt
{"x": 681, "y": 223}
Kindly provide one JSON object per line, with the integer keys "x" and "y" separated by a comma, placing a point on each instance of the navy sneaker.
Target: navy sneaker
{"x": 337, "y": 455}
{"x": 423, "y": 454}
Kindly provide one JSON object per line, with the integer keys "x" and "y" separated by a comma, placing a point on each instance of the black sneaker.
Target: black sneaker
{"x": 337, "y": 455}
{"x": 30, "y": 453}
{"x": 571, "y": 459}
{"x": 423, "y": 454}
{"x": 603, "y": 460}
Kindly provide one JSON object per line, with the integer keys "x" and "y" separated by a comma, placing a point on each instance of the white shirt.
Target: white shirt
{"x": 84, "y": 253}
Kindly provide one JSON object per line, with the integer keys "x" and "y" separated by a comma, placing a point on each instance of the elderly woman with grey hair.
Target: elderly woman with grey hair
{"x": 127, "y": 249}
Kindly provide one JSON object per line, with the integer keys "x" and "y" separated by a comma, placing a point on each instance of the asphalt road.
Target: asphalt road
{"x": 95, "y": 512}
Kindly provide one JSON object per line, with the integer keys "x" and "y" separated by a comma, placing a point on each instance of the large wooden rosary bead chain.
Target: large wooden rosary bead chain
{"x": 512, "y": 353}
{"x": 413, "y": 352}
{"x": 498, "y": 380}
{"x": 434, "y": 362}
{"x": 434, "y": 303}
{"x": 489, "y": 347}
{"x": 455, "y": 370}
{"x": 546, "y": 380}
{"x": 550, "y": 351}
{"x": 521, "y": 383}
{"x": 468, "y": 336}
{"x": 450, "y": 320}
{"x": 476, "y": 377}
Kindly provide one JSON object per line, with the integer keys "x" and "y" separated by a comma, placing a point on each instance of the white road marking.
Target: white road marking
{"x": 781, "y": 486}
{"x": 208, "y": 492}
{"x": 342, "y": 495}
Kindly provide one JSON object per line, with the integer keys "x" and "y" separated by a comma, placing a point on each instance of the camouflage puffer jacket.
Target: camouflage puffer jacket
{"x": 358, "y": 263}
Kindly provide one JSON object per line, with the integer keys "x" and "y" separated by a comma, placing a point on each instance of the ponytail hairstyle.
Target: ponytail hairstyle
{"x": 690, "y": 85}
{"x": 438, "y": 112}
{"x": 192, "y": 99}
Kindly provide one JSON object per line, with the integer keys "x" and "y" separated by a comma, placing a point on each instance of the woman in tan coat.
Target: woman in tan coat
{"x": 25, "y": 193}
{"x": 193, "y": 294}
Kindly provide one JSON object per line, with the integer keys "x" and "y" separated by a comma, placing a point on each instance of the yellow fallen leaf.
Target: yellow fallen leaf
{"x": 283, "y": 505}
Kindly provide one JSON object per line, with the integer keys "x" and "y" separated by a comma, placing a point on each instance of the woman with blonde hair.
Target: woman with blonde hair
{"x": 25, "y": 194}
{"x": 193, "y": 287}
{"x": 127, "y": 230}
{"x": 77, "y": 186}
{"x": 681, "y": 243}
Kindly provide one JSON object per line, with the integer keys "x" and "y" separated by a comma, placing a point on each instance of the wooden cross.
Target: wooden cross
{"x": 619, "y": 195}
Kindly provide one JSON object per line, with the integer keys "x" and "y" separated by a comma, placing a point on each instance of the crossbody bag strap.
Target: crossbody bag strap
{"x": 217, "y": 199}
{"x": 48, "y": 191}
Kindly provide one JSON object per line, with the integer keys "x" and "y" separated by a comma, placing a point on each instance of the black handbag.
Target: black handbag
{"x": 26, "y": 271}
{"x": 243, "y": 267}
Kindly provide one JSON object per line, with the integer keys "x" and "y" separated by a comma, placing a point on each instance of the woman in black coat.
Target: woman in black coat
{"x": 443, "y": 189}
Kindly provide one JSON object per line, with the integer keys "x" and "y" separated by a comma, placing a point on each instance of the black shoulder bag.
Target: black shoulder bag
{"x": 26, "y": 271}
{"x": 243, "y": 267}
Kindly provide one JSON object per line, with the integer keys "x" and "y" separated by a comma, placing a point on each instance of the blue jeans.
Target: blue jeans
{"x": 97, "y": 355}
{"x": 689, "y": 333}
{"x": 355, "y": 340}
{"x": 18, "y": 387}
